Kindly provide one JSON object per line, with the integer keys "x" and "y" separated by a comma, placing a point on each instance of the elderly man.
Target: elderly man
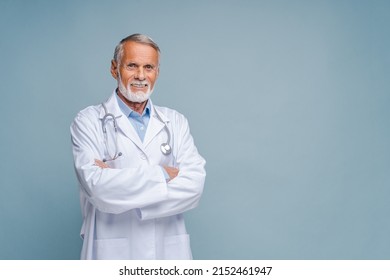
{"x": 137, "y": 165}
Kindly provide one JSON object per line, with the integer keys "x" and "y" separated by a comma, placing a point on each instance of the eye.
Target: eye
{"x": 149, "y": 67}
{"x": 131, "y": 66}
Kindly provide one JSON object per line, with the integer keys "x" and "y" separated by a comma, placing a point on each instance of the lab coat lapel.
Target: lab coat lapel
{"x": 123, "y": 123}
{"x": 155, "y": 125}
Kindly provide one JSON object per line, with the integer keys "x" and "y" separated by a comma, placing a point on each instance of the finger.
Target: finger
{"x": 101, "y": 164}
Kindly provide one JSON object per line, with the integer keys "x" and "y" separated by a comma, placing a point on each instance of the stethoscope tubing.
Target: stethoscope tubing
{"x": 165, "y": 148}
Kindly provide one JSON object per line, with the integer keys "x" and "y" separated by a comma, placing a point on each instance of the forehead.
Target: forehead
{"x": 141, "y": 53}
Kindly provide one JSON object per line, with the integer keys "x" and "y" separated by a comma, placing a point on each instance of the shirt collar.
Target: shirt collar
{"x": 127, "y": 111}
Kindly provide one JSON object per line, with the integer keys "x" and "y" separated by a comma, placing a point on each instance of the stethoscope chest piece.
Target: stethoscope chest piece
{"x": 166, "y": 149}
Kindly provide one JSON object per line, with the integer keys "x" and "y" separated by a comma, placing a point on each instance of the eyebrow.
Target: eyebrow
{"x": 148, "y": 64}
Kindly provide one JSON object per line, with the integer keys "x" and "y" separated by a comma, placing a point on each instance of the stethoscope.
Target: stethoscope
{"x": 165, "y": 148}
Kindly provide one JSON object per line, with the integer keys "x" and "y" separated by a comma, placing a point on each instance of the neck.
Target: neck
{"x": 137, "y": 107}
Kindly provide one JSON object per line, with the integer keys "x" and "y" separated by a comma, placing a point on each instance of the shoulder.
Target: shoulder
{"x": 87, "y": 115}
{"x": 172, "y": 115}
{"x": 92, "y": 111}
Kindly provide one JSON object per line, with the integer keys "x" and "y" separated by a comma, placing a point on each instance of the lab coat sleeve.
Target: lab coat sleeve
{"x": 185, "y": 190}
{"x": 112, "y": 190}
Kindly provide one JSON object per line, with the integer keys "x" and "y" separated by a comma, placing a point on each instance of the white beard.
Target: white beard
{"x": 137, "y": 96}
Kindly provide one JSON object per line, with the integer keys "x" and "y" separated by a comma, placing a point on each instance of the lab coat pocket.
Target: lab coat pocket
{"x": 177, "y": 247}
{"x": 112, "y": 249}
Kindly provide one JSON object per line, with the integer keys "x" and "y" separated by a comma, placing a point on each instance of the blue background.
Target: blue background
{"x": 287, "y": 100}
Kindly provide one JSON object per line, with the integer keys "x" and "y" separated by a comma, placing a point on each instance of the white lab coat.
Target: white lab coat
{"x": 130, "y": 211}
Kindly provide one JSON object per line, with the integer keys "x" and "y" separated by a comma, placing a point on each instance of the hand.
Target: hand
{"x": 101, "y": 164}
{"x": 172, "y": 171}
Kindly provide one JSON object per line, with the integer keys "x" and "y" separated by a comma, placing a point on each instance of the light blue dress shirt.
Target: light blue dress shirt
{"x": 139, "y": 122}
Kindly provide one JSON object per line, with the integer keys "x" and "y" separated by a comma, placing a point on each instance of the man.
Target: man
{"x": 137, "y": 165}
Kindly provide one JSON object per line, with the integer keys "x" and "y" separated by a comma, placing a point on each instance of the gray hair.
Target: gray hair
{"x": 138, "y": 38}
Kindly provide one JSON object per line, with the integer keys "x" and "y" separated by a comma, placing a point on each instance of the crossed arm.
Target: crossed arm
{"x": 172, "y": 171}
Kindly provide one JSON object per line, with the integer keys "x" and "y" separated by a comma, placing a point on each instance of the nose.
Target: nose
{"x": 140, "y": 74}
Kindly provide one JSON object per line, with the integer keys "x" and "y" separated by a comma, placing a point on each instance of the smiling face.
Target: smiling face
{"x": 136, "y": 71}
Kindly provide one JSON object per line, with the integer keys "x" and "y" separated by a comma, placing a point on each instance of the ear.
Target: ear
{"x": 114, "y": 69}
{"x": 158, "y": 71}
